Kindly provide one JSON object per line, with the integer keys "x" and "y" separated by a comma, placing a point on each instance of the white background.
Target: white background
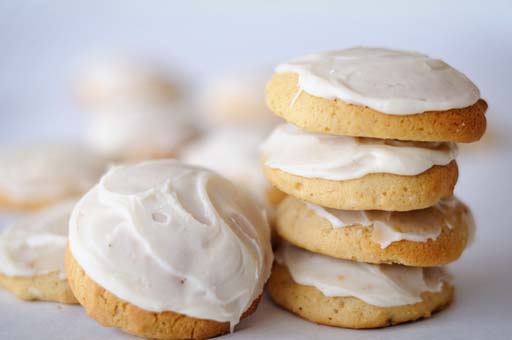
{"x": 42, "y": 42}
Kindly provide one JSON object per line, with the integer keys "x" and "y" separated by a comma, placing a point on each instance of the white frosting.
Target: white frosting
{"x": 392, "y": 226}
{"x": 232, "y": 151}
{"x": 46, "y": 171}
{"x": 316, "y": 155}
{"x": 389, "y": 81}
{"x": 165, "y": 236}
{"x": 35, "y": 244}
{"x": 142, "y": 131}
{"x": 236, "y": 98}
{"x": 379, "y": 285}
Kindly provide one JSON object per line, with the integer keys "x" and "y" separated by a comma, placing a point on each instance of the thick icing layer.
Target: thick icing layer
{"x": 379, "y": 285}
{"x": 316, "y": 155}
{"x": 389, "y": 81}
{"x": 46, "y": 171}
{"x": 35, "y": 244}
{"x": 232, "y": 151}
{"x": 392, "y": 226}
{"x": 165, "y": 236}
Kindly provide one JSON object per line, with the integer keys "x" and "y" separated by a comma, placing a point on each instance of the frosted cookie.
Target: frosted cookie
{"x": 233, "y": 151}
{"x": 32, "y": 253}
{"x": 136, "y": 111}
{"x": 428, "y": 237}
{"x": 116, "y": 81}
{"x": 236, "y": 99}
{"x": 350, "y": 173}
{"x": 380, "y": 93}
{"x": 38, "y": 175}
{"x": 143, "y": 242}
{"x": 352, "y": 294}
{"x": 138, "y": 133}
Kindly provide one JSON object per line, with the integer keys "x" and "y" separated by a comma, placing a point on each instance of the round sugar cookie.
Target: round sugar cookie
{"x": 429, "y": 237}
{"x": 143, "y": 241}
{"x": 111, "y": 311}
{"x": 378, "y": 191}
{"x": 349, "y": 312}
{"x": 334, "y": 116}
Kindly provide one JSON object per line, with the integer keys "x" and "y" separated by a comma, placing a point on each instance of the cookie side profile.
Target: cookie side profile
{"x": 374, "y": 191}
{"x": 423, "y": 238}
{"x": 349, "y": 312}
{"x": 380, "y": 93}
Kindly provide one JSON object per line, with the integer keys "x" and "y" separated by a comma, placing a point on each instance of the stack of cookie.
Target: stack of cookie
{"x": 369, "y": 167}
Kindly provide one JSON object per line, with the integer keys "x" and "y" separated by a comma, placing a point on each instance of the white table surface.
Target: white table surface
{"x": 41, "y": 43}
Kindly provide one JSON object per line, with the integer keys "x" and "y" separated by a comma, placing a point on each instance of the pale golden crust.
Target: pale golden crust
{"x": 374, "y": 191}
{"x": 111, "y": 311}
{"x": 334, "y": 116}
{"x": 301, "y": 226}
{"x": 349, "y": 312}
{"x": 47, "y": 287}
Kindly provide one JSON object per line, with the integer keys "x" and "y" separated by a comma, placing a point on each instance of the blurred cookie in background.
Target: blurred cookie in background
{"x": 34, "y": 176}
{"x": 232, "y": 151}
{"x": 136, "y": 110}
{"x": 235, "y": 98}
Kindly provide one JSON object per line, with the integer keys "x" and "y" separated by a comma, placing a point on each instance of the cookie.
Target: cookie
{"x": 50, "y": 287}
{"x": 32, "y": 255}
{"x": 40, "y": 175}
{"x": 378, "y": 93}
{"x": 236, "y": 99}
{"x": 144, "y": 240}
{"x": 111, "y": 311}
{"x": 429, "y": 237}
{"x": 379, "y": 191}
{"x": 349, "y": 312}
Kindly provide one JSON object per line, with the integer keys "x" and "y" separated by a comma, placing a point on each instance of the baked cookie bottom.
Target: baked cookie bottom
{"x": 301, "y": 226}
{"x": 109, "y": 310}
{"x": 379, "y": 191}
{"x": 49, "y": 287}
{"x": 335, "y": 116}
{"x": 349, "y": 312}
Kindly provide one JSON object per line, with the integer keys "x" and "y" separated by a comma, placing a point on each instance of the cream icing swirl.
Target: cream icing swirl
{"x": 333, "y": 157}
{"x": 393, "y": 226}
{"x": 381, "y": 285}
{"x": 35, "y": 244}
{"x": 47, "y": 171}
{"x": 166, "y": 236}
{"x": 389, "y": 81}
